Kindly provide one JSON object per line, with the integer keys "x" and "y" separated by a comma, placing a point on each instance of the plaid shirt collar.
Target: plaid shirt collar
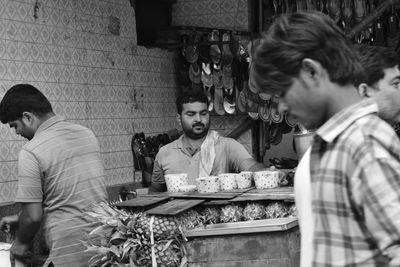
{"x": 344, "y": 118}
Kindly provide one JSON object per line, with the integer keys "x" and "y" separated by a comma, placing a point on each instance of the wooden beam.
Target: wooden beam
{"x": 371, "y": 17}
{"x": 243, "y": 127}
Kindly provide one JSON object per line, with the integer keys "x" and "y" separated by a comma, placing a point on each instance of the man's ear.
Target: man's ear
{"x": 365, "y": 91}
{"x": 311, "y": 73}
{"x": 178, "y": 118}
{"x": 28, "y": 117}
{"x": 311, "y": 67}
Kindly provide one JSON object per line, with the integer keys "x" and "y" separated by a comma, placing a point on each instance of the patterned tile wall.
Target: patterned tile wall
{"x": 92, "y": 76}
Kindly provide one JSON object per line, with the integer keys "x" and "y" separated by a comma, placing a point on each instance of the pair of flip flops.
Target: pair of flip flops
{"x": 208, "y": 84}
{"x": 195, "y": 73}
{"x": 192, "y": 49}
{"x": 242, "y": 68}
{"x": 229, "y": 100}
{"x": 215, "y": 51}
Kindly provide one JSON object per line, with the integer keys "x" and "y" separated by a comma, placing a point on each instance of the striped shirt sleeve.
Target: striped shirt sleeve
{"x": 29, "y": 178}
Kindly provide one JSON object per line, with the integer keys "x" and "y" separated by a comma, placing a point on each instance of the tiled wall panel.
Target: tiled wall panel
{"x": 91, "y": 76}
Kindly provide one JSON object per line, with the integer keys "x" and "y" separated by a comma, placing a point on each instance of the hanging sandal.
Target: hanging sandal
{"x": 229, "y": 101}
{"x": 219, "y": 101}
{"x": 276, "y": 116}
{"x": 192, "y": 51}
{"x": 195, "y": 73}
{"x": 241, "y": 101}
{"x": 227, "y": 56}
{"x": 209, "y": 92}
{"x": 206, "y": 76}
{"x": 215, "y": 51}
{"x": 204, "y": 50}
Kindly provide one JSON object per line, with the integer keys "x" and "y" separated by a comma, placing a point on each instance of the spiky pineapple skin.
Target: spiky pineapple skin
{"x": 168, "y": 257}
{"x": 276, "y": 209}
{"x": 164, "y": 227}
{"x": 211, "y": 215}
{"x": 292, "y": 211}
{"x": 189, "y": 219}
{"x": 231, "y": 213}
{"x": 253, "y": 211}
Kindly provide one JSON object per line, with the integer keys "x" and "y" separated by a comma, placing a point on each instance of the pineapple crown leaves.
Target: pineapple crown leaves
{"x": 96, "y": 260}
{"x": 118, "y": 238}
{"x": 106, "y": 214}
{"x": 129, "y": 246}
{"x": 102, "y": 230}
{"x": 104, "y": 210}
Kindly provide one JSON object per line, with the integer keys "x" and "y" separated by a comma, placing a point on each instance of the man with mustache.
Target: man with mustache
{"x": 199, "y": 152}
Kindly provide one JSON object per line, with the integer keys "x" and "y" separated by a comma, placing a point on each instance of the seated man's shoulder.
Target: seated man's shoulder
{"x": 168, "y": 147}
{"x": 223, "y": 140}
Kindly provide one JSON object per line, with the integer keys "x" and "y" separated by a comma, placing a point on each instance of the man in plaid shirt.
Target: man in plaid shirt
{"x": 355, "y": 186}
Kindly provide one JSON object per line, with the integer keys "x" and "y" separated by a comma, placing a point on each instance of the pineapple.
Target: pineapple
{"x": 124, "y": 238}
{"x": 253, "y": 211}
{"x": 163, "y": 226}
{"x": 276, "y": 209}
{"x": 231, "y": 213}
{"x": 211, "y": 215}
{"x": 292, "y": 211}
{"x": 167, "y": 253}
{"x": 190, "y": 219}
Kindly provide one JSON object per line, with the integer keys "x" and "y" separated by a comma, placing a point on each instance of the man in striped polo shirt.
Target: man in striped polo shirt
{"x": 60, "y": 174}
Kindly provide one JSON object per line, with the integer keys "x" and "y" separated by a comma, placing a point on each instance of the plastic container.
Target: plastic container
{"x": 176, "y": 181}
{"x": 267, "y": 179}
{"x": 207, "y": 184}
{"x": 227, "y": 181}
{"x": 244, "y": 180}
{"x": 302, "y": 141}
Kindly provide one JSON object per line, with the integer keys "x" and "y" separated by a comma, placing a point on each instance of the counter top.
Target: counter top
{"x": 257, "y": 226}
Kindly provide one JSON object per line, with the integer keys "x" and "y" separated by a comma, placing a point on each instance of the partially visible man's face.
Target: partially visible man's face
{"x": 303, "y": 104}
{"x": 195, "y": 119}
{"x": 22, "y": 129}
{"x": 387, "y": 95}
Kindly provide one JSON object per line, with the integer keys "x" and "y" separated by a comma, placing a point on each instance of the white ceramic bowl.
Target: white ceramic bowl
{"x": 207, "y": 184}
{"x": 175, "y": 181}
{"x": 267, "y": 179}
{"x": 227, "y": 181}
{"x": 244, "y": 180}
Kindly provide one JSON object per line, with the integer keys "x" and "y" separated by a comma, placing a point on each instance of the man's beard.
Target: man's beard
{"x": 191, "y": 134}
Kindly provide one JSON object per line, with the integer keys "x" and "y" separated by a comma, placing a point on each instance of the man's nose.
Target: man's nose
{"x": 197, "y": 117}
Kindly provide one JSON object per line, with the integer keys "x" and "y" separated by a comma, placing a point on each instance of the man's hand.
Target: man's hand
{"x": 20, "y": 252}
{"x": 9, "y": 224}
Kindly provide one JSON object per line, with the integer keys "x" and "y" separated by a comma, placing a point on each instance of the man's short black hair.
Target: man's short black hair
{"x": 190, "y": 96}
{"x": 23, "y": 98}
{"x": 375, "y": 59}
